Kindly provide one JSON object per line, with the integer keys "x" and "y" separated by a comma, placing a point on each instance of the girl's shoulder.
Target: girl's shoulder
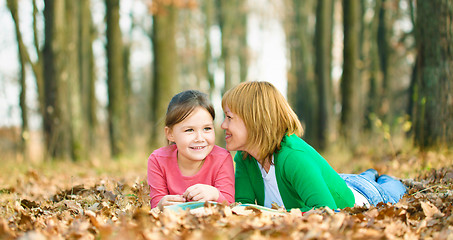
{"x": 218, "y": 157}
{"x": 167, "y": 151}
{"x": 219, "y": 151}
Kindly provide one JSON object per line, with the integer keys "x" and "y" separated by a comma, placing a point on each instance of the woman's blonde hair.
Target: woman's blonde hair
{"x": 266, "y": 114}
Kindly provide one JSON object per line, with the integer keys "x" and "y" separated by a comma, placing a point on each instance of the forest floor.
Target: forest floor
{"x": 97, "y": 200}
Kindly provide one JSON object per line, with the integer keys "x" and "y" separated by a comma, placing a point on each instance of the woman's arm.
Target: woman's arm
{"x": 306, "y": 178}
{"x": 243, "y": 186}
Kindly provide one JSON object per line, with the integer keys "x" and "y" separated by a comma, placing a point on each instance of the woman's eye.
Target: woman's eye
{"x": 189, "y": 130}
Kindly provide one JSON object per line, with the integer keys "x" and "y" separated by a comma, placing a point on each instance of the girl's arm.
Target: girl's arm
{"x": 224, "y": 181}
{"x": 222, "y": 189}
{"x": 156, "y": 181}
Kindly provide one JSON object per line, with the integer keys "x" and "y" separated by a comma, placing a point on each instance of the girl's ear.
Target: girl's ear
{"x": 169, "y": 134}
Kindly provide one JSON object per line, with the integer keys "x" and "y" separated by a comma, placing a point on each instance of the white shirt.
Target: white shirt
{"x": 360, "y": 200}
{"x": 271, "y": 193}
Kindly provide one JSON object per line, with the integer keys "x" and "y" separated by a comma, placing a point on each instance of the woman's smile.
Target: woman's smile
{"x": 227, "y": 135}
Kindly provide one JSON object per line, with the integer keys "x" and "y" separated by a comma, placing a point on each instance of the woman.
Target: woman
{"x": 274, "y": 165}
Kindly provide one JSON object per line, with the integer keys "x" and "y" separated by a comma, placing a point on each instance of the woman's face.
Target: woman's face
{"x": 235, "y": 131}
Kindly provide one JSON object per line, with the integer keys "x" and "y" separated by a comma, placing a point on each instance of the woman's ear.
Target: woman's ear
{"x": 169, "y": 134}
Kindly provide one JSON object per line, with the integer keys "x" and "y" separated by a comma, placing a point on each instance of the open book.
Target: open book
{"x": 205, "y": 208}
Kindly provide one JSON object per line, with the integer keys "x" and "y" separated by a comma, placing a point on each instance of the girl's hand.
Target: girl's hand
{"x": 201, "y": 192}
{"x": 170, "y": 200}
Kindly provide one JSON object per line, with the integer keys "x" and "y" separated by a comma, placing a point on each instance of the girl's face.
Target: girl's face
{"x": 235, "y": 131}
{"x": 194, "y": 137}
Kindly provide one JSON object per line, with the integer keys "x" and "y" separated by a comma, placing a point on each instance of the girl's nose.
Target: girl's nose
{"x": 199, "y": 136}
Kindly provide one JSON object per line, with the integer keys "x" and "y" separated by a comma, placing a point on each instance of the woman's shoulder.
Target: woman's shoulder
{"x": 295, "y": 147}
{"x": 294, "y": 142}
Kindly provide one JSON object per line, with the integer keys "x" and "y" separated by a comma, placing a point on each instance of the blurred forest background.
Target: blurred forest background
{"x": 357, "y": 72}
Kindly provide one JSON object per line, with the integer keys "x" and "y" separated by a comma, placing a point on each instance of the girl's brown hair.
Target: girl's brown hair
{"x": 183, "y": 104}
{"x": 266, "y": 114}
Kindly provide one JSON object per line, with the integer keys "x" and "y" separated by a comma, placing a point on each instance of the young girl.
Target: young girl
{"x": 192, "y": 167}
{"x": 274, "y": 165}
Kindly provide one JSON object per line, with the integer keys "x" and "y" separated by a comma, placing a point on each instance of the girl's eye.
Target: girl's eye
{"x": 207, "y": 128}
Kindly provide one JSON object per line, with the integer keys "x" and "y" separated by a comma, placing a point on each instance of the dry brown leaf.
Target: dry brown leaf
{"x": 430, "y": 210}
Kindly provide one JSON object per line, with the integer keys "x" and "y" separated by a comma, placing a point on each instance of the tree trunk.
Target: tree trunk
{"x": 78, "y": 127}
{"x": 23, "y": 59}
{"x": 38, "y": 65}
{"x": 323, "y": 69}
{"x": 301, "y": 85}
{"x": 351, "y": 121}
{"x": 241, "y": 32}
{"x": 375, "y": 76}
{"x": 165, "y": 80}
{"x": 209, "y": 12}
{"x": 433, "y": 115}
{"x": 57, "y": 126}
{"x": 383, "y": 33}
{"x": 116, "y": 88}
{"x": 86, "y": 73}
{"x": 226, "y": 23}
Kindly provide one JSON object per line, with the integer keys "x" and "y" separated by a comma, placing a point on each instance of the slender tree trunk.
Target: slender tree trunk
{"x": 115, "y": 75}
{"x": 350, "y": 120}
{"x": 165, "y": 80}
{"x": 433, "y": 118}
{"x": 86, "y": 73}
{"x": 384, "y": 57}
{"x": 23, "y": 59}
{"x": 209, "y": 12}
{"x": 226, "y": 23}
{"x": 323, "y": 69}
{"x": 241, "y": 28}
{"x": 374, "y": 88}
{"x": 38, "y": 65}
{"x": 78, "y": 127}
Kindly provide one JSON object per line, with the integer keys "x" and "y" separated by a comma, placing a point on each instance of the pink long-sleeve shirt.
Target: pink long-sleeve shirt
{"x": 165, "y": 178}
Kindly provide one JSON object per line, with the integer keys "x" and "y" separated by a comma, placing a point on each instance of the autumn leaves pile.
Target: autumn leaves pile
{"x": 39, "y": 207}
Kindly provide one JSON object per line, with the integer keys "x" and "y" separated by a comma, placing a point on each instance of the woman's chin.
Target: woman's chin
{"x": 229, "y": 147}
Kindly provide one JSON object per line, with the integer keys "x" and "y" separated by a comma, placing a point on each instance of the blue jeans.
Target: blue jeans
{"x": 376, "y": 188}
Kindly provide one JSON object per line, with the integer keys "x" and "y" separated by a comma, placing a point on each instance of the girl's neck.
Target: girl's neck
{"x": 189, "y": 168}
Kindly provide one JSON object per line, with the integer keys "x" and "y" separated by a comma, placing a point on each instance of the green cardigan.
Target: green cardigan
{"x": 305, "y": 180}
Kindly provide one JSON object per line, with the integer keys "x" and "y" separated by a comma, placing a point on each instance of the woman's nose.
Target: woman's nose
{"x": 224, "y": 124}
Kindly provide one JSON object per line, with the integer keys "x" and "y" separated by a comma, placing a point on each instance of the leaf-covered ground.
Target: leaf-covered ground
{"x": 61, "y": 205}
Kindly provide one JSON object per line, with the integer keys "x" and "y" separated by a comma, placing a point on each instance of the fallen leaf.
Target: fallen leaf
{"x": 430, "y": 210}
